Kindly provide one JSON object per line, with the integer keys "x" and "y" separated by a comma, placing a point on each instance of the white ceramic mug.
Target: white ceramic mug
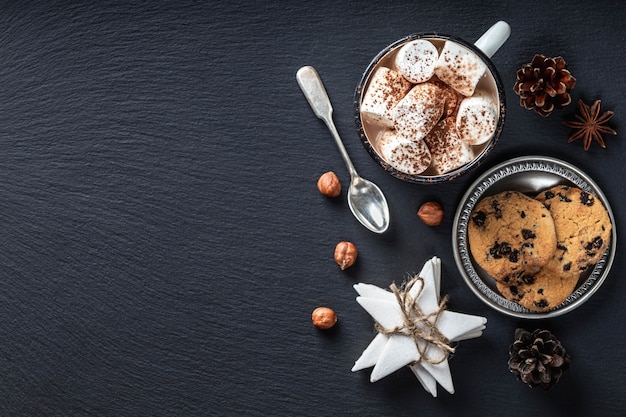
{"x": 484, "y": 48}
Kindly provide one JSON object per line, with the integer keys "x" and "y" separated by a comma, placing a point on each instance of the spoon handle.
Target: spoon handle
{"x": 315, "y": 93}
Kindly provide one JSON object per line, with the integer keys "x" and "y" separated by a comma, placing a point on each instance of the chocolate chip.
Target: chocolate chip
{"x": 514, "y": 256}
{"x": 548, "y": 195}
{"x": 500, "y": 250}
{"x": 522, "y": 214}
{"x": 479, "y": 218}
{"x": 564, "y": 198}
{"x": 528, "y": 234}
{"x": 540, "y": 291}
{"x": 567, "y": 266}
{"x": 528, "y": 279}
{"x": 561, "y": 247}
{"x": 513, "y": 289}
{"x": 596, "y": 243}
{"x": 586, "y": 198}
{"x": 543, "y": 303}
{"x": 496, "y": 208}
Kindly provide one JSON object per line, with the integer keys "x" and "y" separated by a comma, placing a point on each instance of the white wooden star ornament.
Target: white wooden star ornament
{"x": 414, "y": 329}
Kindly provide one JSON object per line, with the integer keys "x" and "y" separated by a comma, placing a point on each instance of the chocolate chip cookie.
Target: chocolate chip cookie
{"x": 544, "y": 290}
{"x": 582, "y": 223}
{"x": 511, "y": 234}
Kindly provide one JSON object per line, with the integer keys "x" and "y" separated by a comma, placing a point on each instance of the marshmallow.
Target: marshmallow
{"x": 416, "y": 61}
{"x": 460, "y": 68}
{"x": 386, "y": 88}
{"x": 451, "y": 98}
{"x": 447, "y": 149}
{"x": 419, "y": 111}
{"x": 409, "y": 157}
{"x": 476, "y": 119}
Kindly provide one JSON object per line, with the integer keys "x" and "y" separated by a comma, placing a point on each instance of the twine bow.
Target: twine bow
{"x": 418, "y": 325}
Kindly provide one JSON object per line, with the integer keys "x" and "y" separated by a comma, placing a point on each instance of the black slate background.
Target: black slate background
{"x": 162, "y": 241}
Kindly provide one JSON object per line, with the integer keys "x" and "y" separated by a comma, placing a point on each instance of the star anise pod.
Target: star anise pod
{"x": 590, "y": 124}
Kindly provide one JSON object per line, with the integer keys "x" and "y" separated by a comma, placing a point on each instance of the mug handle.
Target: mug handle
{"x": 494, "y": 38}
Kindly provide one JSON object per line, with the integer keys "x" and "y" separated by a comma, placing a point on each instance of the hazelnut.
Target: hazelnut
{"x": 431, "y": 213}
{"x": 329, "y": 184}
{"x": 323, "y": 318}
{"x": 345, "y": 254}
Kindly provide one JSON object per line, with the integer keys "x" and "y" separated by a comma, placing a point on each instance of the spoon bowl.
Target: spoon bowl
{"x": 368, "y": 204}
{"x": 366, "y": 201}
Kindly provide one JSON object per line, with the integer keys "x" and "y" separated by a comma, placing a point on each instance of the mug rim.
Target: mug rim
{"x": 448, "y": 176}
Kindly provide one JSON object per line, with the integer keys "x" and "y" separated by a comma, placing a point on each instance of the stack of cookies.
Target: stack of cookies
{"x": 537, "y": 248}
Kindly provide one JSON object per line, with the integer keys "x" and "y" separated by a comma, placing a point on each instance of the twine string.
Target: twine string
{"x": 418, "y": 325}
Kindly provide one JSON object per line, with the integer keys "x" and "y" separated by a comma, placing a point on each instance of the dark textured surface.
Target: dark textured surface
{"x": 163, "y": 243}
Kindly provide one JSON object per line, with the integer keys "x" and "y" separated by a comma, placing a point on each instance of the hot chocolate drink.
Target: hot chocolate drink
{"x": 430, "y": 99}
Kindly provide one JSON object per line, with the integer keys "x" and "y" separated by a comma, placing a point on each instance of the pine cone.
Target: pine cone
{"x": 537, "y": 358}
{"x": 544, "y": 84}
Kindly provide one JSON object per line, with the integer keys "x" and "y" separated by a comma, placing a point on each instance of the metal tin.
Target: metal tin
{"x": 529, "y": 175}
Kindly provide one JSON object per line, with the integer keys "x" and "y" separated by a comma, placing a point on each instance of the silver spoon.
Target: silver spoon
{"x": 366, "y": 201}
